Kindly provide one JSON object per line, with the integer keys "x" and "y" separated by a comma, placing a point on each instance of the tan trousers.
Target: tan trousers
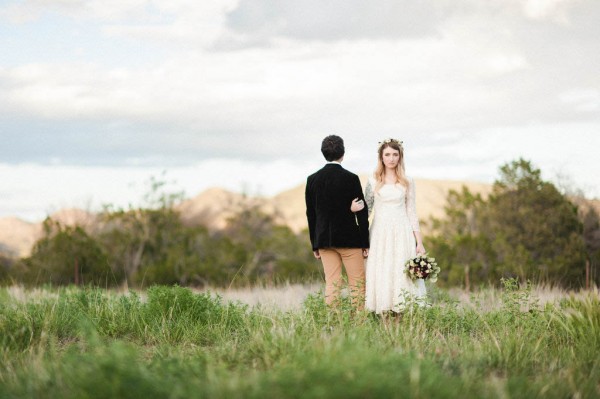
{"x": 352, "y": 258}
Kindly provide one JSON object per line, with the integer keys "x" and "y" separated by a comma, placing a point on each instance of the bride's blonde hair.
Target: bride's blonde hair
{"x": 400, "y": 170}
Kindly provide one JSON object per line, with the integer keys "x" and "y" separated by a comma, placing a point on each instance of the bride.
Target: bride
{"x": 394, "y": 233}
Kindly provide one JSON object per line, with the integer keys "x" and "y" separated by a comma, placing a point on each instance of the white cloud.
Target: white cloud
{"x": 399, "y": 84}
{"x": 560, "y": 151}
{"x": 555, "y": 10}
{"x": 335, "y": 20}
{"x": 583, "y": 100}
{"x": 31, "y": 10}
{"x": 192, "y": 22}
{"x": 259, "y": 82}
{"x": 33, "y": 191}
{"x": 504, "y": 63}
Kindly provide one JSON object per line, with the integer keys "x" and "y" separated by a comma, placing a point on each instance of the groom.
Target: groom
{"x": 337, "y": 235}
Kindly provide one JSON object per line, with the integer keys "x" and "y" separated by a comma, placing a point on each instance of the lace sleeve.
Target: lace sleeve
{"x": 369, "y": 197}
{"x": 411, "y": 206}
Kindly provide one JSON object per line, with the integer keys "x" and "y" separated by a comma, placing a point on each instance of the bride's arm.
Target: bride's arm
{"x": 411, "y": 209}
{"x": 420, "y": 246}
{"x": 369, "y": 197}
{"x": 358, "y": 204}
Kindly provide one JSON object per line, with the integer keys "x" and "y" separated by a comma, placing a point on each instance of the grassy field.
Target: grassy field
{"x": 170, "y": 342}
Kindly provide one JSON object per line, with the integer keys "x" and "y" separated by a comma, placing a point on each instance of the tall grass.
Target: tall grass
{"x": 173, "y": 343}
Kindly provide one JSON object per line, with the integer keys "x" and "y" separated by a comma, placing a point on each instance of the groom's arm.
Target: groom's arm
{"x": 311, "y": 214}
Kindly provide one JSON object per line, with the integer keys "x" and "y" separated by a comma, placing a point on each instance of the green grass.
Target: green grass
{"x": 88, "y": 343}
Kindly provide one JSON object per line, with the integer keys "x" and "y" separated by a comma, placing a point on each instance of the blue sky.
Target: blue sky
{"x": 98, "y": 95}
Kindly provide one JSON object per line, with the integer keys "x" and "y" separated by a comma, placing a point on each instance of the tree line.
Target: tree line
{"x": 140, "y": 247}
{"x": 526, "y": 228}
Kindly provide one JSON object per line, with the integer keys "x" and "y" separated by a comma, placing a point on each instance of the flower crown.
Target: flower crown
{"x": 390, "y": 140}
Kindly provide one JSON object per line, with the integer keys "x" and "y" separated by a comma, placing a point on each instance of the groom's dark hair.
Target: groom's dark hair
{"x": 332, "y": 148}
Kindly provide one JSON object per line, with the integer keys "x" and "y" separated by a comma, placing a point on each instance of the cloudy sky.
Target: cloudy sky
{"x": 96, "y": 96}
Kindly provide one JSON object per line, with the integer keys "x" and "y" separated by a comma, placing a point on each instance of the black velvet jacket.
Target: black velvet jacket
{"x": 331, "y": 223}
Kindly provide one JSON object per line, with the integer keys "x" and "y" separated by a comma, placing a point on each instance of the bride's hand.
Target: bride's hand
{"x": 420, "y": 249}
{"x": 357, "y": 205}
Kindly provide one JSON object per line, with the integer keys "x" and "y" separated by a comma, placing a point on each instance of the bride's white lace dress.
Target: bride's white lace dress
{"x": 392, "y": 243}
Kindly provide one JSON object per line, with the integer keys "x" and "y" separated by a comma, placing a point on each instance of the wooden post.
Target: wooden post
{"x": 76, "y": 272}
{"x": 587, "y": 274}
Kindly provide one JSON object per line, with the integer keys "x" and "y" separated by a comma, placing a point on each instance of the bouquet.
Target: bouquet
{"x": 422, "y": 266}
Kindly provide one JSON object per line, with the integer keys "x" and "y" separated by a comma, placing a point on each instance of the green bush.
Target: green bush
{"x": 526, "y": 229}
{"x": 67, "y": 255}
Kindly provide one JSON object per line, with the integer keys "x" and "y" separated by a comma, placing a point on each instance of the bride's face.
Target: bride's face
{"x": 390, "y": 157}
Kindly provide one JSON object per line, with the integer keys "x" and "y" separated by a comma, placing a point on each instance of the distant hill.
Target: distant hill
{"x": 212, "y": 207}
{"x": 18, "y": 236}
{"x": 431, "y": 198}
